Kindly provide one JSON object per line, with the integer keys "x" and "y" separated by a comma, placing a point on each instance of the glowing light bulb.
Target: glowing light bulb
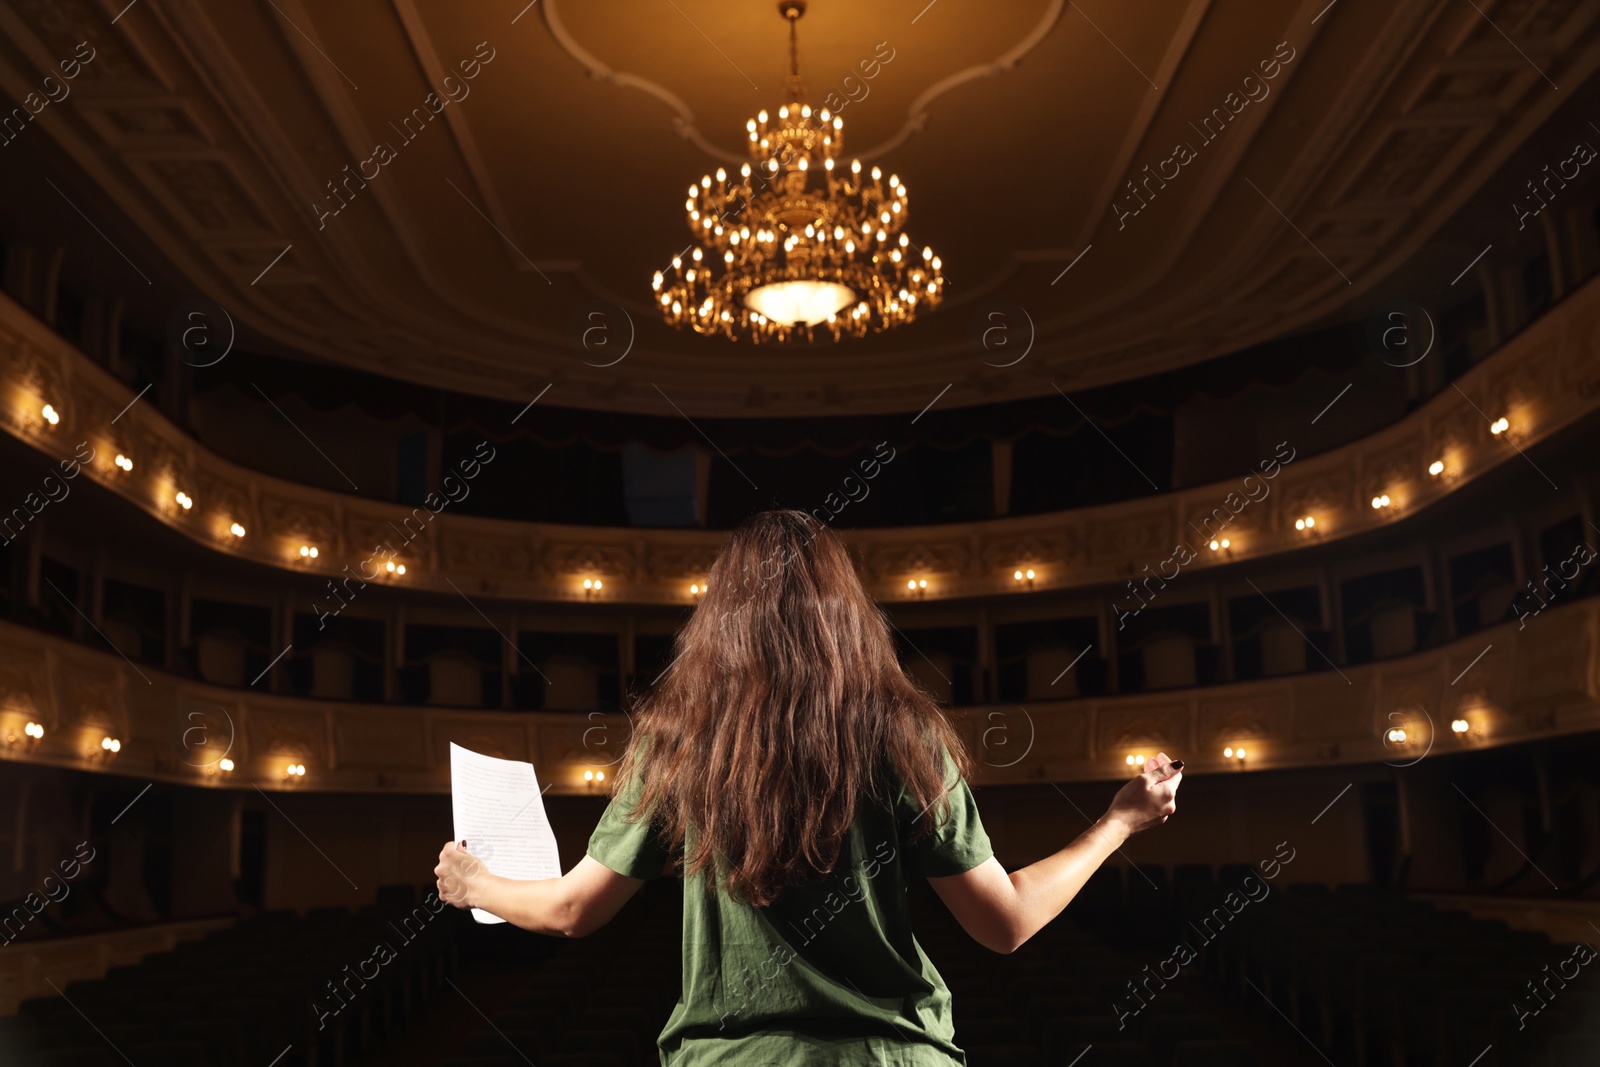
{"x": 599, "y": 776}
{"x": 1436, "y": 468}
{"x": 236, "y": 530}
{"x": 1499, "y": 426}
{"x": 588, "y": 776}
{"x": 123, "y": 462}
{"x": 1460, "y": 726}
{"x": 1397, "y": 736}
{"x": 1228, "y": 752}
{"x": 225, "y": 765}
{"x": 50, "y": 414}
{"x": 185, "y": 501}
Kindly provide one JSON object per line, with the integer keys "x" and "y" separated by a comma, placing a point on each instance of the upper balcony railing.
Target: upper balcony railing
{"x": 55, "y": 399}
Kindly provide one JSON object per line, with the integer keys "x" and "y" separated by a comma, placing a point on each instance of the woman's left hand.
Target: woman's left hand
{"x": 456, "y": 873}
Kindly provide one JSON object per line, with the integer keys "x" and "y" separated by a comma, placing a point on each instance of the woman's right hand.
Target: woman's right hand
{"x": 1149, "y": 799}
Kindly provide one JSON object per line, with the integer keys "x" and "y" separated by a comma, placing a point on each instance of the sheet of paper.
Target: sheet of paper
{"x": 499, "y": 812}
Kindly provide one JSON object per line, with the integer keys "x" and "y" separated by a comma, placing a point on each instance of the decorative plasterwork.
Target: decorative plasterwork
{"x": 211, "y": 127}
{"x": 1306, "y": 720}
{"x": 1542, "y": 381}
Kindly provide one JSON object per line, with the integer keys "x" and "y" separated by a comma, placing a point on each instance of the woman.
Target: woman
{"x": 802, "y": 782}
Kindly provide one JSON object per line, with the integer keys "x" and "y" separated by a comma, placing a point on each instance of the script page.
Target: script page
{"x": 499, "y": 812}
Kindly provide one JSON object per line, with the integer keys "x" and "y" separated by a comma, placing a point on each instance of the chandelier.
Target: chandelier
{"x": 797, "y": 243}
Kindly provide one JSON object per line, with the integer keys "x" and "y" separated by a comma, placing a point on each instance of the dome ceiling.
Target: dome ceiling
{"x": 289, "y": 160}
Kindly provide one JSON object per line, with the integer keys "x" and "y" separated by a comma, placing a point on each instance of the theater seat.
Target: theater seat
{"x": 1574, "y": 1050}
{"x": 1003, "y": 1056}
{"x": 74, "y": 1057}
{"x": 1113, "y": 1054}
{"x": 1214, "y": 1054}
{"x": 1164, "y": 1032}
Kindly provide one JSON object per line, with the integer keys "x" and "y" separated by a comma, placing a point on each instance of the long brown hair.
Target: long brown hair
{"x": 784, "y": 708}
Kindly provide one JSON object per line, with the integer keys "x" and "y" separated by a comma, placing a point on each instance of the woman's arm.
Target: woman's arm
{"x": 1002, "y": 911}
{"x": 574, "y": 905}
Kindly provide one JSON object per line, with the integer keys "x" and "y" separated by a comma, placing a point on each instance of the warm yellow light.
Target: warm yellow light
{"x": 236, "y": 530}
{"x": 1499, "y": 426}
{"x": 123, "y": 462}
{"x": 1238, "y": 753}
{"x": 1436, "y": 468}
{"x": 1381, "y": 501}
{"x": 809, "y": 302}
{"x": 34, "y": 730}
{"x": 225, "y": 765}
{"x": 599, "y": 776}
{"x": 50, "y": 414}
{"x": 588, "y": 776}
{"x": 922, "y": 583}
{"x": 185, "y": 501}
{"x": 1228, "y": 752}
{"x": 1215, "y": 544}
{"x": 1129, "y": 761}
{"x": 308, "y": 552}
{"x": 1397, "y": 736}
{"x": 1306, "y": 523}
{"x": 1460, "y": 726}
{"x": 694, "y": 590}
{"x": 111, "y": 745}
{"x": 400, "y": 569}
{"x": 389, "y": 566}
{"x": 1017, "y": 575}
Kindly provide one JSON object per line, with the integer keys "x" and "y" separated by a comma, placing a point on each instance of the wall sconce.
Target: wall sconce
{"x": 225, "y": 765}
{"x": 236, "y": 530}
{"x": 185, "y": 501}
{"x": 1024, "y": 576}
{"x": 397, "y": 569}
{"x": 1436, "y": 468}
{"x": 1135, "y": 761}
{"x": 50, "y": 415}
{"x": 109, "y": 747}
{"x": 592, "y": 587}
{"x": 1235, "y": 754}
{"x": 1218, "y": 544}
{"x": 1309, "y": 522}
{"x": 697, "y": 590}
{"x": 308, "y": 552}
{"x": 294, "y": 772}
{"x": 1499, "y": 426}
{"x": 916, "y": 586}
{"x": 1396, "y": 735}
{"x": 123, "y": 463}
{"x": 595, "y": 779}
{"x": 32, "y": 734}
{"x": 1381, "y": 501}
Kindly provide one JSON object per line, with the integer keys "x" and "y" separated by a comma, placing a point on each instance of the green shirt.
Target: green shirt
{"x": 830, "y": 974}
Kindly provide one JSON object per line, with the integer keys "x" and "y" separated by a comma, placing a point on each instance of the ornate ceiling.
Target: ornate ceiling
{"x": 476, "y": 233}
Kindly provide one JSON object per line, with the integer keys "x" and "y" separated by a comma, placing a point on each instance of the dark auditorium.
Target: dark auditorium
{"x": 519, "y": 548}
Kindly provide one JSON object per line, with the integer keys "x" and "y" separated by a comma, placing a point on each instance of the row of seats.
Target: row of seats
{"x": 274, "y": 989}
{"x": 1048, "y": 1004}
{"x": 1372, "y": 977}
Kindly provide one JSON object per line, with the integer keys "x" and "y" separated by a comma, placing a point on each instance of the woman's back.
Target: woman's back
{"x": 829, "y": 972}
